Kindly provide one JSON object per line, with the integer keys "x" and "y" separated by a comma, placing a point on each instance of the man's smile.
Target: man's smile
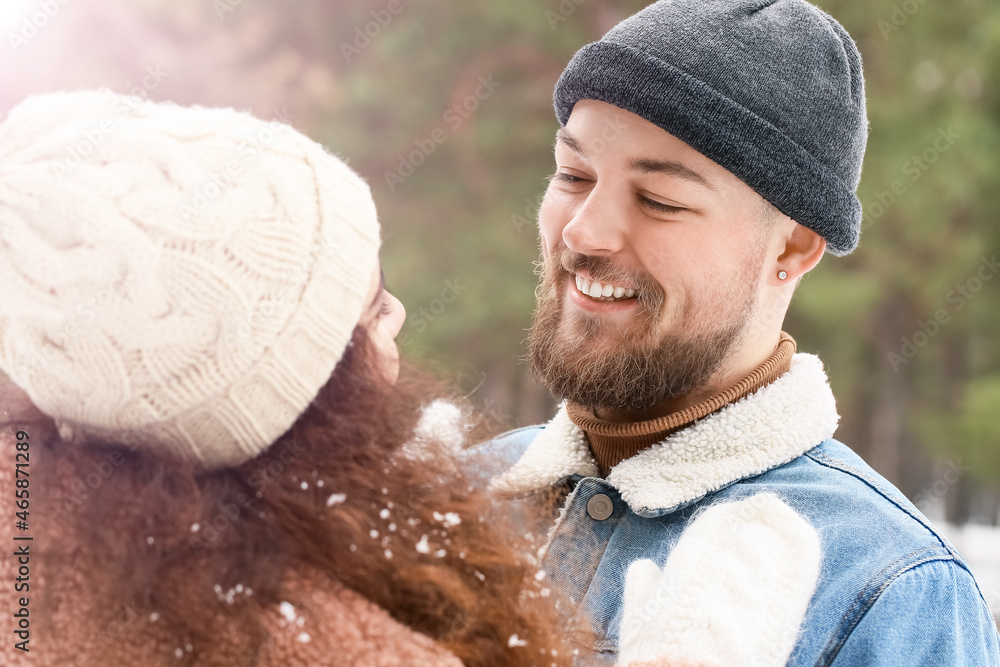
{"x": 602, "y": 291}
{"x": 620, "y": 298}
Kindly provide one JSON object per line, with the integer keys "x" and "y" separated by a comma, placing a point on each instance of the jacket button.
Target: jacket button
{"x": 600, "y": 507}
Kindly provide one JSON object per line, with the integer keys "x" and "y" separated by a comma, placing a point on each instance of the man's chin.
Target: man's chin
{"x": 578, "y": 324}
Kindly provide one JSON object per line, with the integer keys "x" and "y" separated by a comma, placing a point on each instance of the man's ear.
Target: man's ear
{"x": 802, "y": 251}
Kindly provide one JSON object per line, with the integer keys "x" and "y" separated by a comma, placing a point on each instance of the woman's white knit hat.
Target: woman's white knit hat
{"x": 178, "y": 278}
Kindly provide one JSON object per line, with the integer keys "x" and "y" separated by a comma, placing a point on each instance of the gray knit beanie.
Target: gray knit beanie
{"x": 771, "y": 90}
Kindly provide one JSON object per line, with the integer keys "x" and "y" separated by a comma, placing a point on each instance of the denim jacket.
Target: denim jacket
{"x": 891, "y": 590}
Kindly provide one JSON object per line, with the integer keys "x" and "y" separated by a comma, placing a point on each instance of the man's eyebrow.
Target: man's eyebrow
{"x": 643, "y": 165}
{"x": 570, "y": 141}
{"x": 670, "y": 168}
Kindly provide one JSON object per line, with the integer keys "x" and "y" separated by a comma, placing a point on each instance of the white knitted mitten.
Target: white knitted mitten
{"x": 733, "y": 592}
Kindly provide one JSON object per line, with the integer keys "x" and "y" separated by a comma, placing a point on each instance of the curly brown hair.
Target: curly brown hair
{"x": 469, "y": 585}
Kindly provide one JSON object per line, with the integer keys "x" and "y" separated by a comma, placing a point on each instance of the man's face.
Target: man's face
{"x": 652, "y": 264}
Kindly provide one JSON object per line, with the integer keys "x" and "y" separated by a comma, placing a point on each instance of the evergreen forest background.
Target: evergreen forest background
{"x": 445, "y": 107}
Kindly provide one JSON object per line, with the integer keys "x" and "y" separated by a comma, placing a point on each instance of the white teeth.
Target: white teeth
{"x": 597, "y": 290}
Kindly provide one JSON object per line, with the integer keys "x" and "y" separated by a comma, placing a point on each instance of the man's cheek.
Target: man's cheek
{"x": 551, "y": 221}
{"x": 548, "y": 241}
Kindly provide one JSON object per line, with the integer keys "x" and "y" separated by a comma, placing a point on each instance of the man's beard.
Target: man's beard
{"x": 584, "y": 359}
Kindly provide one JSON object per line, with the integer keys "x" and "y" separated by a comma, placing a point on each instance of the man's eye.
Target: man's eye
{"x": 568, "y": 179}
{"x": 659, "y": 206}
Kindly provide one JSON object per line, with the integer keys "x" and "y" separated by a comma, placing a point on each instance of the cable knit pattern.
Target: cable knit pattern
{"x": 190, "y": 283}
{"x": 766, "y": 429}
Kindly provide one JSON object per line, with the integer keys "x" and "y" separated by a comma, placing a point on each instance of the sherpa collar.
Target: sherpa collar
{"x": 766, "y": 429}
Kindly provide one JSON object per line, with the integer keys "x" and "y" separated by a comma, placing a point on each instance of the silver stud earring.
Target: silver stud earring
{"x": 782, "y": 275}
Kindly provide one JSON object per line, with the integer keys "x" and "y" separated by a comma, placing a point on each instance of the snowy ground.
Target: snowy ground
{"x": 981, "y": 547}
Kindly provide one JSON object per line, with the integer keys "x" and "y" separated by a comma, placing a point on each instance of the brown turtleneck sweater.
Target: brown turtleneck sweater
{"x": 612, "y": 443}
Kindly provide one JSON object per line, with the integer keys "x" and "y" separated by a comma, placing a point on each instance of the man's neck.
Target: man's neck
{"x": 667, "y": 407}
{"x": 613, "y": 442}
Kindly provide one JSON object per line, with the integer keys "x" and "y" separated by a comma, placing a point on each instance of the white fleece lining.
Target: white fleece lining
{"x": 766, "y": 429}
{"x": 559, "y": 451}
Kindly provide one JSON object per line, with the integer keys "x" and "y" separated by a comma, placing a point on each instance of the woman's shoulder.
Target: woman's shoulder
{"x": 326, "y": 625}
{"x": 318, "y": 621}
{"x": 330, "y": 624}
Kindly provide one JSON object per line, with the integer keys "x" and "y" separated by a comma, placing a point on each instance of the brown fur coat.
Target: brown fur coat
{"x": 327, "y": 625}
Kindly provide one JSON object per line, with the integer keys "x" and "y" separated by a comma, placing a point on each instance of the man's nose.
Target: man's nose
{"x": 597, "y": 226}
